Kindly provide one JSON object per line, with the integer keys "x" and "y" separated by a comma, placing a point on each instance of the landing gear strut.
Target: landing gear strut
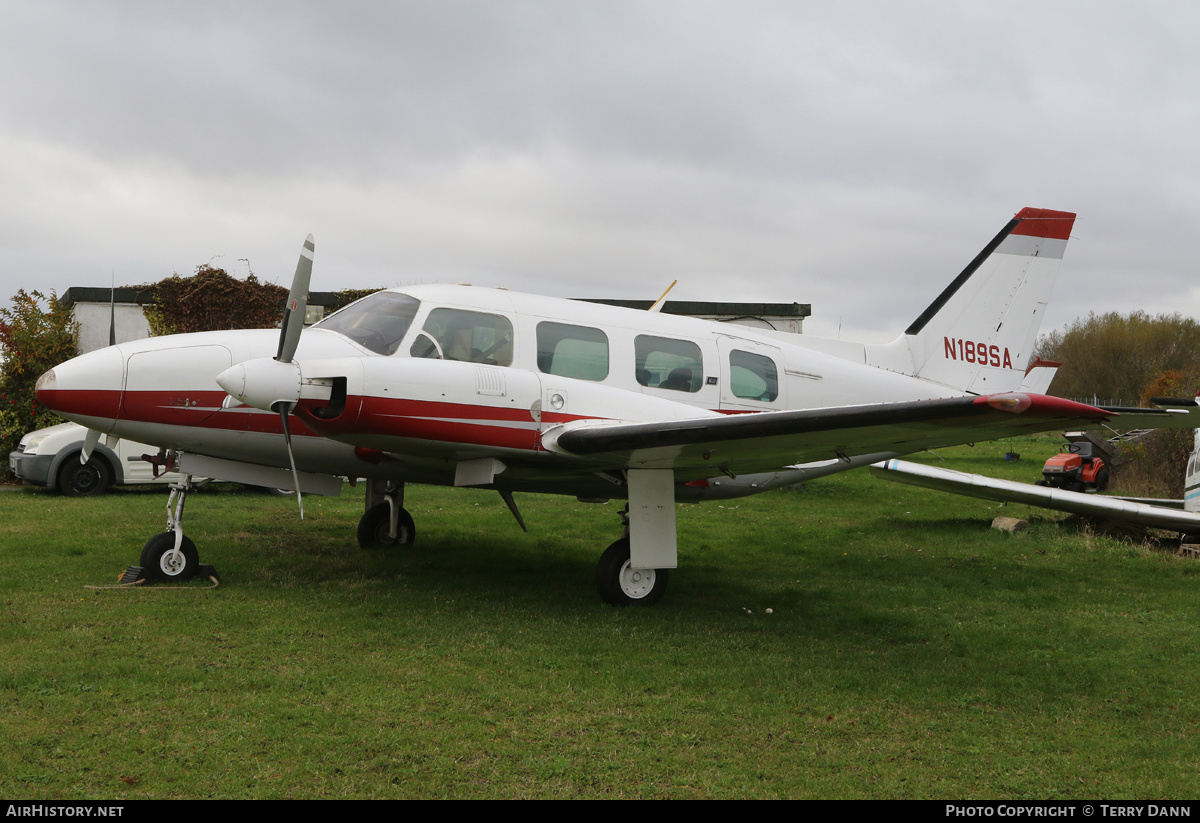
{"x": 386, "y": 522}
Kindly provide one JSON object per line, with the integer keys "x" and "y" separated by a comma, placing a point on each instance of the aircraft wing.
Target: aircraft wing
{"x": 1007, "y": 491}
{"x": 746, "y": 443}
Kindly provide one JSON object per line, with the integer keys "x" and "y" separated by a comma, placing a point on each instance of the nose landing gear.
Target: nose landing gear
{"x": 171, "y": 556}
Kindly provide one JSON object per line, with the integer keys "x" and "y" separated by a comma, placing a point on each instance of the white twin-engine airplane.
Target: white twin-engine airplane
{"x": 462, "y": 386}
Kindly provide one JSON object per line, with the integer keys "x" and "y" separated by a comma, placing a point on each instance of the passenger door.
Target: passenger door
{"x": 751, "y": 375}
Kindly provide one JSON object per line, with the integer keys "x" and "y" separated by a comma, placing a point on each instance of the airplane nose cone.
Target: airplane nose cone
{"x": 86, "y": 389}
{"x": 233, "y": 381}
{"x": 46, "y": 390}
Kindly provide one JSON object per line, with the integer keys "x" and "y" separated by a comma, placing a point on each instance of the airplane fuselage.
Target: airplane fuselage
{"x": 502, "y": 373}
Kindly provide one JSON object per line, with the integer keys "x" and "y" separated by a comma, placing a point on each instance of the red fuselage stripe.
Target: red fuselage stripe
{"x": 503, "y": 427}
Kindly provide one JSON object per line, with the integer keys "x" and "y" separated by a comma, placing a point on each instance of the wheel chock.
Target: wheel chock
{"x": 135, "y": 575}
{"x": 208, "y": 572}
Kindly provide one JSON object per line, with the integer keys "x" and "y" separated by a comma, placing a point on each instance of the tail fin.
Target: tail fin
{"x": 978, "y": 335}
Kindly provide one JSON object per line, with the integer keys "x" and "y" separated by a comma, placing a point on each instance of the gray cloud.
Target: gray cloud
{"x": 850, "y": 155}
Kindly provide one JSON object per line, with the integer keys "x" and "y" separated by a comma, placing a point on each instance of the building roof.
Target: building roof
{"x": 688, "y": 308}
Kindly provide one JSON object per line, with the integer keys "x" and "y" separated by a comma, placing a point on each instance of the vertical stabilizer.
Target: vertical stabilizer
{"x": 978, "y": 335}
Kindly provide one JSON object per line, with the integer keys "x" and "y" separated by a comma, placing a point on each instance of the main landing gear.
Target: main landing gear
{"x": 619, "y": 583}
{"x": 386, "y": 522}
{"x": 622, "y": 585}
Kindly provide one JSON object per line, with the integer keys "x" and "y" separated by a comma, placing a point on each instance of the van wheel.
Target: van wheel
{"x": 83, "y": 480}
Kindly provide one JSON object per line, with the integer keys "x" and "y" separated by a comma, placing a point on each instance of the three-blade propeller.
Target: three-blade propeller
{"x": 274, "y": 384}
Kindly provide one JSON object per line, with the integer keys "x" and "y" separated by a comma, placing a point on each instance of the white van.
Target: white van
{"x": 50, "y": 457}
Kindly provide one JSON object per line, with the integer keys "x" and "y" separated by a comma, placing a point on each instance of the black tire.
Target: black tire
{"x": 157, "y": 563}
{"x": 1102, "y": 479}
{"x": 374, "y": 527}
{"x": 77, "y": 479}
{"x": 621, "y": 585}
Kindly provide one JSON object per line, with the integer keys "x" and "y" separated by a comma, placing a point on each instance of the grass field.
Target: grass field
{"x": 851, "y": 639}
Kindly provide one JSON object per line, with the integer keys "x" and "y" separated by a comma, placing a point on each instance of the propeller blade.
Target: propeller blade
{"x": 297, "y": 304}
{"x": 89, "y": 442}
{"x": 282, "y": 408}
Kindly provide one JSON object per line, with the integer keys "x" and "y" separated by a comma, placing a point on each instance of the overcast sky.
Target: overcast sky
{"x": 854, "y": 156}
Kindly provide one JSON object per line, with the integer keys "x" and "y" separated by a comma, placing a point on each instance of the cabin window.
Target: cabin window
{"x": 664, "y": 363}
{"x": 471, "y": 336}
{"x": 753, "y": 376}
{"x": 425, "y": 346}
{"x": 572, "y": 351}
{"x": 377, "y": 322}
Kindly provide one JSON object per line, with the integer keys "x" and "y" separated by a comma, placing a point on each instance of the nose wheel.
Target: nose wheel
{"x": 171, "y": 556}
{"x": 164, "y": 562}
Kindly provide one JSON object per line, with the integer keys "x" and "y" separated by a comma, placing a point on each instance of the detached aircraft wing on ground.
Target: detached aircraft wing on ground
{"x": 462, "y": 386}
{"x": 1176, "y": 515}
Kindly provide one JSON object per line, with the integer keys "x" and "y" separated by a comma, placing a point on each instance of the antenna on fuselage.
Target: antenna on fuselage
{"x": 658, "y": 304}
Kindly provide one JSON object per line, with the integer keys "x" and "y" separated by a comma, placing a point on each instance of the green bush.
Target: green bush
{"x": 212, "y": 300}
{"x": 1114, "y": 356}
{"x": 33, "y": 339}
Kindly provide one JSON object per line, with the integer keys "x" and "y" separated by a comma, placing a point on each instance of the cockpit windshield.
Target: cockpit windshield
{"x": 377, "y": 322}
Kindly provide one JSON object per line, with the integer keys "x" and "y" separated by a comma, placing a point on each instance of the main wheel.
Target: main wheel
{"x": 77, "y": 479}
{"x": 622, "y": 585}
{"x": 1102, "y": 479}
{"x": 161, "y": 561}
{"x": 374, "y": 527}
